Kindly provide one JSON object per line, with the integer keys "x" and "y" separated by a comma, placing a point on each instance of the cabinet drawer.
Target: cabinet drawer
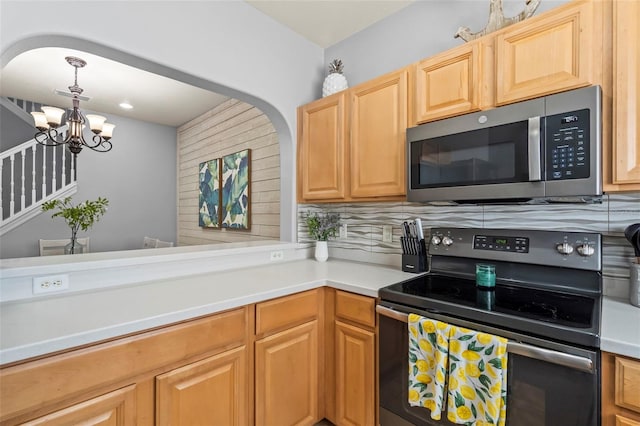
{"x": 277, "y": 314}
{"x": 627, "y": 379}
{"x": 356, "y": 308}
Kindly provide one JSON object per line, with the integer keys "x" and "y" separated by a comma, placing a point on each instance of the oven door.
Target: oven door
{"x": 549, "y": 384}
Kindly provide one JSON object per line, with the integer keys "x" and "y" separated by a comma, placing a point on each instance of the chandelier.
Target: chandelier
{"x": 48, "y": 121}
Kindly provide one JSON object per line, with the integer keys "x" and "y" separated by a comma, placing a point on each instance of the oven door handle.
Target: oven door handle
{"x": 547, "y": 355}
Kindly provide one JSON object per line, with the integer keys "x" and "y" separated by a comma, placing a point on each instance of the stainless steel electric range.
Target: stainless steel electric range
{"x": 546, "y": 301}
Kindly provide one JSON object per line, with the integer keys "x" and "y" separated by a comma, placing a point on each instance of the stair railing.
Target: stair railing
{"x": 44, "y": 184}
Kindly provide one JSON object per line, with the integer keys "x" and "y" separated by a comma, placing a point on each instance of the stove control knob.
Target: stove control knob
{"x": 586, "y": 250}
{"x": 447, "y": 241}
{"x": 564, "y": 248}
{"x": 435, "y": 240}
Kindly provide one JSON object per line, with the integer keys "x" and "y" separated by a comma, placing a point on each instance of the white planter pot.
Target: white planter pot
{"x": 322, "y": 251}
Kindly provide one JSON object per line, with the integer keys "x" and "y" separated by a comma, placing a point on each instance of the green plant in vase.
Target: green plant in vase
{"x": 322, "y": 227}
{"x": 81, "y": 216}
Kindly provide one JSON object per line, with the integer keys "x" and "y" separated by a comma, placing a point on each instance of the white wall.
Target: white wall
{"x": 225, "y": 46}
{"x": 418, "y": 31}
{"x": 138, "y": 177}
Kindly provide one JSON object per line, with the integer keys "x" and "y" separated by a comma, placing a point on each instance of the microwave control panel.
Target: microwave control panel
{"x": 567, "y": 145}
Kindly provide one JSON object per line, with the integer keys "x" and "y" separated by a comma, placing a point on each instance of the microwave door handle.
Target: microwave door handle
{"x": 535, "y": 160}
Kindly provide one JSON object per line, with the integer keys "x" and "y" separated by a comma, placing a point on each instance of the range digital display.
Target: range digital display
{"x": 495, "y": 243}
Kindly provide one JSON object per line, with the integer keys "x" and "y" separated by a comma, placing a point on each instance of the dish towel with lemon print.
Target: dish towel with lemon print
{"x": 477, "y": 390}
{"x": 428, "y": 347}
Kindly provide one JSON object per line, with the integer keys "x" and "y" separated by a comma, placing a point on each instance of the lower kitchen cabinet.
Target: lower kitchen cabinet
{"x": 355, "y": 375}
{"x": 620, "y": 390}
{"x": 112, "y": 383}
{"x": 287, "y": 350}
{"x": 355, "y": 360}
{"x": 287, "y": 377}
{"x": 117, "y": 408}
{"x": 208, "y": 392}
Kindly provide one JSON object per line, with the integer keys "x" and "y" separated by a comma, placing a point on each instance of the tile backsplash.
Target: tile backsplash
{"x": 365, "y": 221}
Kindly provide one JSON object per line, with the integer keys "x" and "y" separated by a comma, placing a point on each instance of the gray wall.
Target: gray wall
{"x": 418, "y": 31}
{"x": 138, "y": 177}
{"x": 13, "y": 129}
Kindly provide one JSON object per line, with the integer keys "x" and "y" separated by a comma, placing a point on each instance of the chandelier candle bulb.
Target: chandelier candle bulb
{"x": 54, "y": 115}
{"x": 107, "y": 130}
{"x": 96, "y": 122}
{"x": 40, "y": 120}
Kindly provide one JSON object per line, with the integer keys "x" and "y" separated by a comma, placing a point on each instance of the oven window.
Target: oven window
{"x": 541, "y": 393}
{"x": 494, "y": 155}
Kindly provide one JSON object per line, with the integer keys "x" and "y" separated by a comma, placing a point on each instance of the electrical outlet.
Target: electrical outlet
{"x": 50, "y": 283}
{"x": 387, "y": 233}
{"x": 343, "y": 231}
{"x": 277, "y": 255}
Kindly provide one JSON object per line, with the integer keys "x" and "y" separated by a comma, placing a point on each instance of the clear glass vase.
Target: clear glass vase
{"x": 77, "y": 249}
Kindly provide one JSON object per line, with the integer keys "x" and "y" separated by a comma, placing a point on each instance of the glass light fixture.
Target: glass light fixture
{"x": 49, "y": 120}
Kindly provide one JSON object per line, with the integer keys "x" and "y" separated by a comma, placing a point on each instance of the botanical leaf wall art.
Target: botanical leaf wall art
{"x": 209, "y": 200}
{"x": 236, "y": 190}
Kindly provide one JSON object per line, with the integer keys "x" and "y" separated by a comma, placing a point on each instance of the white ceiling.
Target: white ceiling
{"x": 326, "y": 22}
{"x": 35, "y": 75}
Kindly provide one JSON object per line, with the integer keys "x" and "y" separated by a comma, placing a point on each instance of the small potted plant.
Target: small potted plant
{"x": 322, "y": 227}
{"x": 81, "y": 216}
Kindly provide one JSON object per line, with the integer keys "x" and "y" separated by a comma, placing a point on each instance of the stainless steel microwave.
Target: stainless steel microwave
{"x": 546, "y": 148}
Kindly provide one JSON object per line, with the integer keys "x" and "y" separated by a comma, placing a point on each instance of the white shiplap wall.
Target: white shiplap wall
{"x": 230, "y": 127}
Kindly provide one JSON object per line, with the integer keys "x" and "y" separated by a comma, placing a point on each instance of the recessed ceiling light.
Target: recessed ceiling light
{"x": 126, "y": 105}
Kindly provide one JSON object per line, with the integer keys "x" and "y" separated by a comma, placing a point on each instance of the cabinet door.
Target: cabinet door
{"x": 355, "y": 376}
{"x": 322, "y": 148}
{"x": 624, "y": 421}
{"x": 546, "y": 55}
{"x": 208, "y": 392}
{"x": 117, "y": 408}
{"x": 286, "y": 382}
{"x": 625, "y": 156}
{"x": 448, "y": 84}
{"x": 377, "y": 144}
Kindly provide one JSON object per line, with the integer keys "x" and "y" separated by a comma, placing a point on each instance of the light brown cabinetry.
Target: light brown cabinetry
{"x": 113, "y": 382}
{"x": 363, "y": 157}
{"x": 379, "y": 119}
{"x": 322, "y": 142}
{"x": 620, "y": 390}
{"x": 212, "y": 391}
{"x": 287, "y": 385}
{"x": 455, "y": 82}
{"x": 622, "y": 157}
{"x": 557, "y": 51}
{"x": 354, "y": 360}
{"x": 117, "y": 408}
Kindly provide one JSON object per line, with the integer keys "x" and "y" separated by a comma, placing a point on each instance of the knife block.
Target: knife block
{"x": 415, "y": 263}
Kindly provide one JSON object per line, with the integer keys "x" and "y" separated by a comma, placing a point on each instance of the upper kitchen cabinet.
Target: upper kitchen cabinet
{"x": 322, "y": 139}
{"x": 351, "y": 145}
{"x": 455, "y": 82}
{"x": 622, "y": 156}
{"x": 379, "y": 119}
{"x": 559, "y": 50}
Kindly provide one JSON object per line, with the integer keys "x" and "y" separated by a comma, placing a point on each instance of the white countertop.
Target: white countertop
{"x": 34, "y": 327}
{"x": 620, "y": 331}
{"x": 38, "y": 326}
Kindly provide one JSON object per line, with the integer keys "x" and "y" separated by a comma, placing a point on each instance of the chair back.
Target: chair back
{"x": 56, "y": 247}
